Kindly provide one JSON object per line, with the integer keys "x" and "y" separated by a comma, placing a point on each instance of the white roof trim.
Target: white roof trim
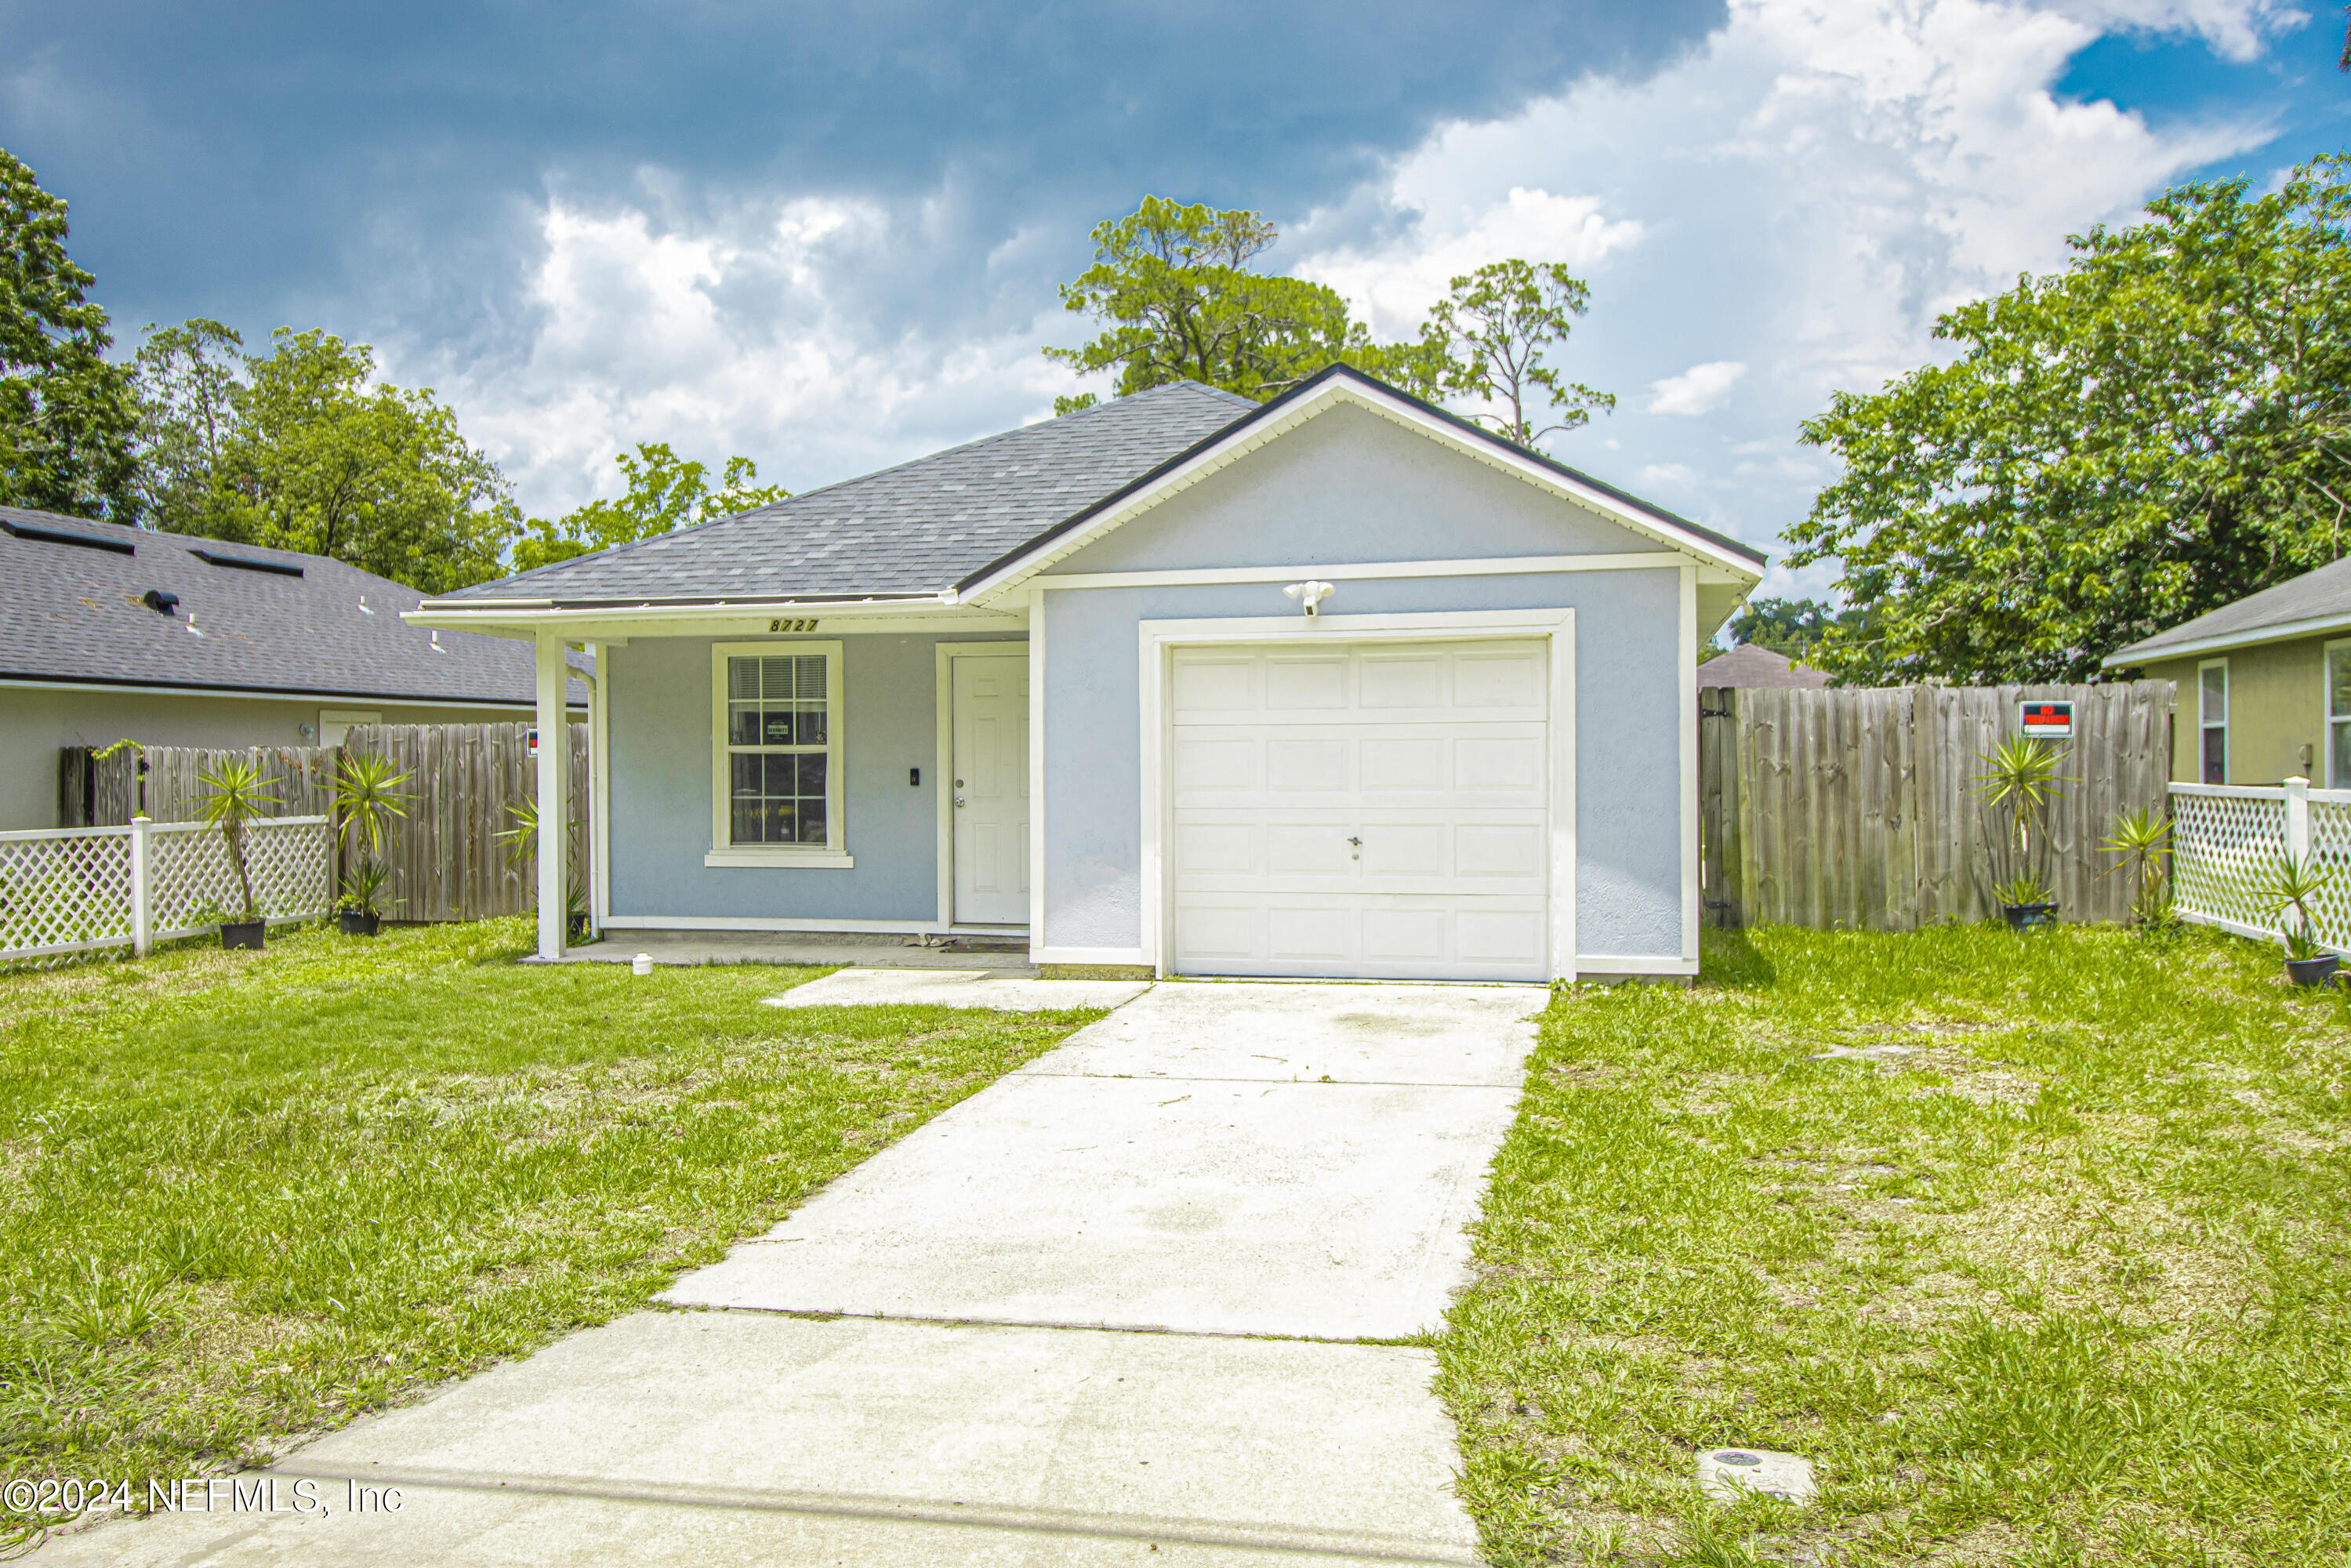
{"x": 1332, "y": 393}
{"x": 2220, "y": 642}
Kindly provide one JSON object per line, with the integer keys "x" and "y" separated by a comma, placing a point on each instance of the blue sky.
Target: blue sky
{"x": 827, "y": 236}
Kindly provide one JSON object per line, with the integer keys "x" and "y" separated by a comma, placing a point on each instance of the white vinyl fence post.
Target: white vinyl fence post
{"x": 143, "y": 886}
{"x": 2297, "y": 821}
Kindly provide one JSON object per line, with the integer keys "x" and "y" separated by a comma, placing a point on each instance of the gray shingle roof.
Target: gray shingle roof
{"x": 2312, "y": 596}
{"x": 1750, "y": 668}
{"x": 71, "y": 612}
{"x": 914, "y": 530}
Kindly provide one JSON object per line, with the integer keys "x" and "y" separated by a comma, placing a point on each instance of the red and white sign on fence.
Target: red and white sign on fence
{"x": 2053, "y": 720}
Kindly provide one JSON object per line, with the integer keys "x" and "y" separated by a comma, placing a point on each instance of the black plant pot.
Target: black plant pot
{"x": 2029, "y": 917}
{"x": 242, "y": 933}
{"x": 356, "y": 924}
{"x": 576, "y": 927}
{"x": 2313, "y": 971}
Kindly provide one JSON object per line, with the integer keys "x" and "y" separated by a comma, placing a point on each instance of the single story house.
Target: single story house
{"x": 2264, "y": 684}
{"x": 1749, "y": 668}
{"x": 109, "y": 632}
{"x": 1338, "y": 684}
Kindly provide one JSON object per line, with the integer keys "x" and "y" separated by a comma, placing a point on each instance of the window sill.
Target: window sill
{"x": 809, "y": 860}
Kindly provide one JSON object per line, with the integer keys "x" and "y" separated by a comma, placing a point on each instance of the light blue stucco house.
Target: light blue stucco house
{"x": 1339, "y": 685}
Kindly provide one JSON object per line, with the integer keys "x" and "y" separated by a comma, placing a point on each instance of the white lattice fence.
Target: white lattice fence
{"x": 64, "y": 892}
{"x": 195, "y": 882}
{"x": 2227, "y": 840}
{"x": 75, "y": 890}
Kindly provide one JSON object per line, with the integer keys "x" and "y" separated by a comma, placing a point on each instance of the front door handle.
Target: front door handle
{"x": 958, "y": 800}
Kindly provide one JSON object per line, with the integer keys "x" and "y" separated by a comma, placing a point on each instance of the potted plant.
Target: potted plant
{"x": 235, "y": 793}
{"x": 355, "y": 911}
{"x": 2143, "y": 837}
{"x": 2019, "y": 781}
{"x": 2291, "y": 885}
{"x": 2025, "y": 902}
{"x": 368, "y": 800}
{"x": 522, "y": 847}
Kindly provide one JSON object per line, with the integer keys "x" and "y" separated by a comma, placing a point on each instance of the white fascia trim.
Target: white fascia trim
{"x": 1331, "y": 395}
{"x": 306, "y": 699}
{"x": 1592, "y": 966}
{"x": 1125, "y": 955}
{"x": 2285, "y": 632}
{"x": 821, "y": 928}
{"x": 1483, "y": 565}
{"x": 748, "y": 618}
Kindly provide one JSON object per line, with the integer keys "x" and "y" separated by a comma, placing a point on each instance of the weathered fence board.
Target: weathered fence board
{"x": 1860, "y": 808}
{"x": 165, "y": 783}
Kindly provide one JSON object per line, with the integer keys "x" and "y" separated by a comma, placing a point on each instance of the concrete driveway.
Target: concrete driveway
{"x": 1212, "y": 1161}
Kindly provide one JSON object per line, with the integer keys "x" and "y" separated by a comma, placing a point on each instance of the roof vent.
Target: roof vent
{"x": 162, "y": 600}
{"x": 66, "y": 537}
{"x": 245, "y": 563}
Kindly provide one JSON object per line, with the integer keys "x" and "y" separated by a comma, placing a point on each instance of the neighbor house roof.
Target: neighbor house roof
{"x": 1749, "y": 667}
{"x": 909, "y": 531}
{"x": 936, "y": 526}
{"x": 73, "y": 610}
{"x": 2315, "y": 601}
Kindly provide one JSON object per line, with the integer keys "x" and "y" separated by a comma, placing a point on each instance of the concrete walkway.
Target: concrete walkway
{"x": 1215, "y": 1160}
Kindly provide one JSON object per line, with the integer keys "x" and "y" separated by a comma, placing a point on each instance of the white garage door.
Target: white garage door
{"x": 1377, "y": 809}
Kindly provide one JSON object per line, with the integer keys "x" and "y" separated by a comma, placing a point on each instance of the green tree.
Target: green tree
{"x": 1173, "y": 287}
{"x": 1487, "y": 339}
{"x": 2158, "y": 430}
{"x": 186, "y": 379}
{"x": 1791, "y": 628}
{"x": 664, "y": 493}
{"x": 67, "y": 414}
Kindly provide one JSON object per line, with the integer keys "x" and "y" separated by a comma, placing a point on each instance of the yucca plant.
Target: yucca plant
{"x": 368, "y": 800}
{"x": 2288, "y": 885}
{"x": 237, "y": 793}
{"x": 522, "y": 846}
{"x": 2144, "y": 838}
{"x": 2019, "y": 781}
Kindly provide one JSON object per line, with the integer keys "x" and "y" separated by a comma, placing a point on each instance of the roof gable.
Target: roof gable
{"x": 1344, "y": 386}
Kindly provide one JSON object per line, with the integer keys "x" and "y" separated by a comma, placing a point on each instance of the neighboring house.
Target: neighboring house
{"x": 109, "y": 632}
{"x": 2263, "y": 684}
{"x": 1749, "y": 667}
{"x": 1337, "y": 685}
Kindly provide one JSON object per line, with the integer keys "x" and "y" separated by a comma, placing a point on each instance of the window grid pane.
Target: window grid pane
{"x": 778, "y": 729}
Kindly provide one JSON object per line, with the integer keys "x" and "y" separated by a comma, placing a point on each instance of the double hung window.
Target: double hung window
{"x": 2338, "y": 716}
{"x": 778, "y": 784}
{"x": 2212, "y": 721}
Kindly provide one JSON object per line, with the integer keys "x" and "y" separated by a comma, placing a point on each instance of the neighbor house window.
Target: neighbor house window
{"x": 2338, "y": 716}
{"x": 2212, "y": 721}
{"x": 778, "y": 784}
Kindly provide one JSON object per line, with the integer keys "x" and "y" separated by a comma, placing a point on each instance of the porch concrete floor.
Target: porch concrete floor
{"x": 863, "y": 949}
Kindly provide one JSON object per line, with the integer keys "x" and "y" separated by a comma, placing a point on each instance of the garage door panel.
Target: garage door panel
{"x": 1383, "y": 812}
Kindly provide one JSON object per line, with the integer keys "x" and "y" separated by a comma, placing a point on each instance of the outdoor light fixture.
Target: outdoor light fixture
{"x": 1310, "y": 595}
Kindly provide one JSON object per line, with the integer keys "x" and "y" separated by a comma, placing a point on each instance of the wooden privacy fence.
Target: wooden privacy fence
{"x": 445, "y": 859}
{"x": 1858, "y": 808}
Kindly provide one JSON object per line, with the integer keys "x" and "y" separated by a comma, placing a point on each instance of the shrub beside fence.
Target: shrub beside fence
{"x": 78, "y": 890}
{"x": 1857, "y": 808}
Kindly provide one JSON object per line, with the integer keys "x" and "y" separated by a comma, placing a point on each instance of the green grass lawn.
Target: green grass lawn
{"x": 244, "y": 1196}
{"x": 2037, "y": 1248}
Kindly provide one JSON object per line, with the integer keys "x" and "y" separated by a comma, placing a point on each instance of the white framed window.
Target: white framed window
{"x": 776, "y": 784}
{"x": 2212, "y": 722}
{"x": 2338, "y": 716}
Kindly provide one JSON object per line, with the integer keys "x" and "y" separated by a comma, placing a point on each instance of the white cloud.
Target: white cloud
{"x": 1800, "y": 197}
{"x": 1697, "y": 390}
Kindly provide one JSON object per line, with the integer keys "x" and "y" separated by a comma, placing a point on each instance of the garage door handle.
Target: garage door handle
{"x": 1357, "y": 842}
{"x": 958, "y": 800}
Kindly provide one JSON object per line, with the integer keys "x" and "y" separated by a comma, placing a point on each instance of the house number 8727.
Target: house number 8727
{"x": 791, "y": 625}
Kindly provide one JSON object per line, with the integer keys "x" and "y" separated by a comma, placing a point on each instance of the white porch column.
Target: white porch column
{"x": 554, "y": 792}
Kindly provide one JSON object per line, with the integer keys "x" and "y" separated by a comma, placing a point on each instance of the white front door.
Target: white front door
{"x": 1376, "y": 810}
{"x": 990, "y": 782}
